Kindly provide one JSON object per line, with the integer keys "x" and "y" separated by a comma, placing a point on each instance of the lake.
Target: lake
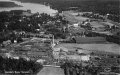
{"x": 34, "y": 7}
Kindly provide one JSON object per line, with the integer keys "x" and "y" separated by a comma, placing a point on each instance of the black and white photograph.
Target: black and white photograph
{"x": 59, "y": 37}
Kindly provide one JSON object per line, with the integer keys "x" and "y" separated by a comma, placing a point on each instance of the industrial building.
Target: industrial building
{"x": 89, "y": 40}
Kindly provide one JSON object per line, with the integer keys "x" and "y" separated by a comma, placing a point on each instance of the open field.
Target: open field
{"x": 72, "y": 18}
{"x": 112, "y": 48}
{"x": 51, "y": 71}
{"x": 96, "y": 24}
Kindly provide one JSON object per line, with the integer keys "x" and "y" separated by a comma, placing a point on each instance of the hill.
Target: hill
{"x": 98, "y": 6}
{"x": 8, "y": 4}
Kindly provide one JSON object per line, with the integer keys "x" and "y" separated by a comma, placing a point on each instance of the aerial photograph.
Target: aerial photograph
{"x": 59, "y": 37}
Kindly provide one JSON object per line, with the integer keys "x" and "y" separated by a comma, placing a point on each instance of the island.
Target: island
{"x": 8, "y": 4}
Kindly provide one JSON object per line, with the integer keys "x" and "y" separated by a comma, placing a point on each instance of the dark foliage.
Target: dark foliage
{"x": 8, "y": 64}
{"x": 7, "y": 4}
{"x": 72, "y": 68}
{"x": 109, "y": 38}
{"x": 97, "y": 6}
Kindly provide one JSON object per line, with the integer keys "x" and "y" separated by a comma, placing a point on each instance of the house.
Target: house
{"x": 41, "y": 61}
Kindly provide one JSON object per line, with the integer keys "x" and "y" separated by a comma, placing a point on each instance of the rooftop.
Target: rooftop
{"x": 37, "y": 53}
{"x": 90, "y": 39}
{"x": 104, "y": 32}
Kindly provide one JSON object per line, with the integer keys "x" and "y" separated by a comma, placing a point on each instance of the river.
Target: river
{"x": 34, "y": 7}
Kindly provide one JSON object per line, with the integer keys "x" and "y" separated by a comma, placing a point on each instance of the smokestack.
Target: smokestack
{"x": 53, "y": 39}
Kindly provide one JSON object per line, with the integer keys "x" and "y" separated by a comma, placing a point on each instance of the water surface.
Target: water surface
{"x": 34, "y": 7}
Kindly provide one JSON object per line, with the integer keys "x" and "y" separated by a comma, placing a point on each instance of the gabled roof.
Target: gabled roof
{"x": 90, "y": 39}
{"x": 37, "y": 53}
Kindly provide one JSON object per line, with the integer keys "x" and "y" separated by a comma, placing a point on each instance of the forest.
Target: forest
{"x": 102, "y": 7}
{"x": 98, "y": 6}
{"x": 75, "y": 68}
{"x": 9, "y": 64}
{"x": 8, "y": 4}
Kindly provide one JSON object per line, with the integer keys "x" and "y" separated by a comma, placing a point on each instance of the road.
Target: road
{"x": 51, "y": 71}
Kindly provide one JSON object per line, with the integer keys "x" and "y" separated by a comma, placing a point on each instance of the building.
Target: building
{"x": 63, "y": 54}
{"x": 59, "y": 51}
{"x": 89, "y": 40}
{"x": 82, "y": 57}
{"x": 41, "y": 61}
{"x": 37, "y": 54}
{"x": 75, "y": 57}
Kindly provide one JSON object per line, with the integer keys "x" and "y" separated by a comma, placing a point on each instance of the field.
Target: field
{"x": 110, "y": 48}
{"x": 96, "y": 24}
{"x": 51, "y": 71}
{"x": 70, "y": 16}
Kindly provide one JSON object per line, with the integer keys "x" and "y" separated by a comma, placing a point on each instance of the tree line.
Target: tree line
{"x": 109, "y": 38}
{"x": 91, "y": 67}
{"x": 9, "y": 64}
{"x": 8, "y": 4}
{"x": 97, "y": 6}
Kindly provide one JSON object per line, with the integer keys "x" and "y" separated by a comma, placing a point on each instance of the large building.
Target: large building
{"x": 82, "y": 57}
{"x": 37, "y": 54}
{"x": 90, "y": 40}
{"x": 63, "y": 54}
{"x": 59, "y": 51}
